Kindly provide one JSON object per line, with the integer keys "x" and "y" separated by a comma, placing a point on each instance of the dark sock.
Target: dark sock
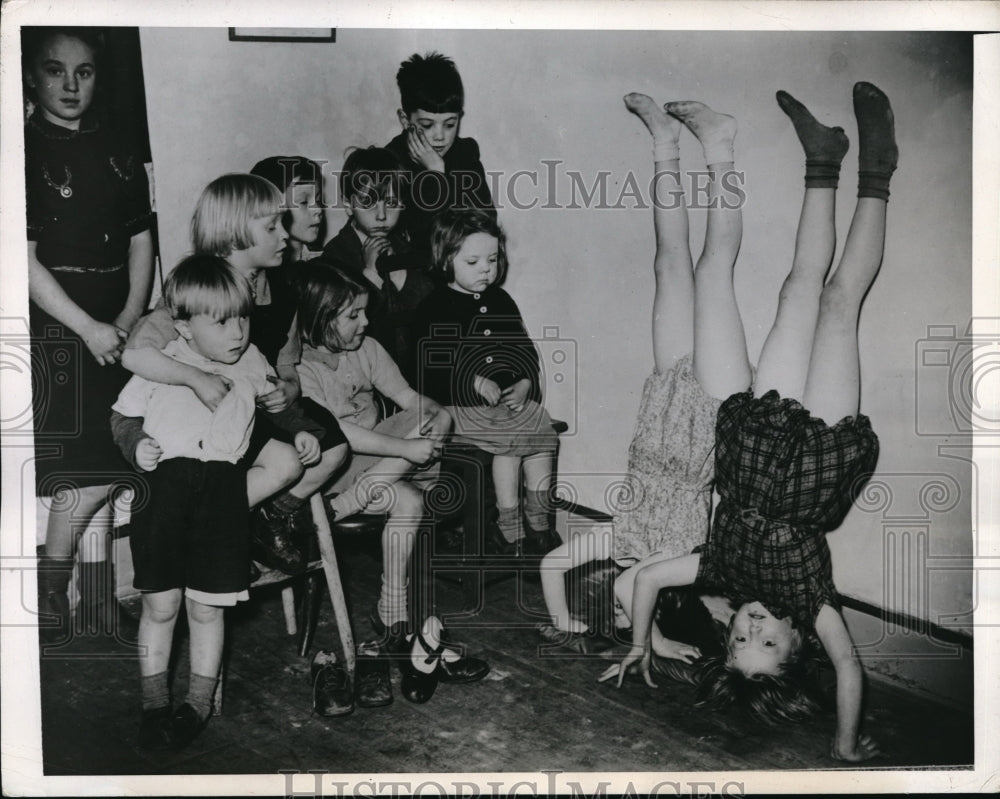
{"x": 286, "y": 504}
{"x": 509, "y": 522}
{"x": 201, "y": 689}
{"x": 537, "y": 510}
{"x": 877, "y": 137}
{"x": 155, "y": 691}
{"x": 824, "y": 147}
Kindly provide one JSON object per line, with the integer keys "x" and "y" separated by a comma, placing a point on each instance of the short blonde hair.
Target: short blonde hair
{"x": 221, "y": 221}
{"x": 207, "y": 284}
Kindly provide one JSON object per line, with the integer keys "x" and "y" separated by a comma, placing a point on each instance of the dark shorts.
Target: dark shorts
{"x": 317, "y": 420}
{"x": 190, "y": 528}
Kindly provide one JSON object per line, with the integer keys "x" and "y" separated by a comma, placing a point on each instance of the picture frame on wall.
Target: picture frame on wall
{"x": 282, "y": 34}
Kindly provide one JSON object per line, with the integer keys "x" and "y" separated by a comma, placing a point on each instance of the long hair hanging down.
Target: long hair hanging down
{"x": 792, "y": 696}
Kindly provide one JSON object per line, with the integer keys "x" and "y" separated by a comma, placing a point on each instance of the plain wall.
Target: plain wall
{"x": 541, "y": 96}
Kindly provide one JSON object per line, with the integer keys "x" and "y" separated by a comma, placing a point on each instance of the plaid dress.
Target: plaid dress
{"x": 785, "y": 478}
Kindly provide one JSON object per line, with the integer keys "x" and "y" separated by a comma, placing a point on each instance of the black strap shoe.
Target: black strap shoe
{"x": 419, "y": 686}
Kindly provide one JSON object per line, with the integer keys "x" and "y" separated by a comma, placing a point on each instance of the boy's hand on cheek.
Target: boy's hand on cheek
{"x": 148, "y": 454}
{"x": 307, "y": 446}
{"x": 211, "y": 389}
{"x": 374, "y": 247}
{"x": 421, "y": 150}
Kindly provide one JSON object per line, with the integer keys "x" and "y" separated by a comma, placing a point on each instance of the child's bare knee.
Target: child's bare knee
{"x": 202, "y": 614}
{"x": 283, "y": 461}
{"x": 161, "y": 607}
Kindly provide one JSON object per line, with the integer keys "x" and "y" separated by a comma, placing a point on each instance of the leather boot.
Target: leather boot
{"x": 54, "y": 618}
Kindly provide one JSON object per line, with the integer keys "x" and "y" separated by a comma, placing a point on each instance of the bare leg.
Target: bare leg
{"x": 206, "y": 626}
{"x": 71, "y": 512}
{"x": 276, "y": 467}
{"x": 506, "y": 471}
{"x": 833, "y": 384}
{"x": 673, "y": 302}
{"x": 156, "y": 630}
{"x": 583, "y": 547}
{"x": 720, "y": 351}
{"x": 317, "y": 476}
{"x": 784, "y": 361}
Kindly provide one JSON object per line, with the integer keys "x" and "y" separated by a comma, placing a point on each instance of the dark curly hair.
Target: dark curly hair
{"x": 790, "y": 696}
{"x": 430, "y": 83}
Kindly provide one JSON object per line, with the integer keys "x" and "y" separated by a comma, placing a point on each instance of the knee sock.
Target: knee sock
{"x": 392, "y": 601}
{"x": 345, "y": 504}
{"x": 201, "y": 689}
{"x": 877, "y": 136}
{"x": 824, "y": 147}
{"x": 155, "y": 691}
{"x": 509, "y": 522}
{"x": 537, "y": 510}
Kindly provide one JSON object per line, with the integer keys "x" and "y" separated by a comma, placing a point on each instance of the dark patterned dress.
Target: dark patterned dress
{"x": 785, "y": 479}
{"x": 86, "y": 198}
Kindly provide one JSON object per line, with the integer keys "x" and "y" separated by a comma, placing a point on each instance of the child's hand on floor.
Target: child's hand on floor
{"x": 211, "y": 389}
{"x": 307, "y": 446}
{"x": 864, "y": 749}
{"x": 516, "y": 395}
{"x": 148, "y": 454}
{"x": 675, "y": 650}
{"x": 637, "y": 655}
{"x": 421, "y": 150}
{"x": 418, "y": 451}
{"x": 488, "y": 390}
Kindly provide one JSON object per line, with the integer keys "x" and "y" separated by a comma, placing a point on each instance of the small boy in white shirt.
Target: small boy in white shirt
{"x": 190, "y": 528}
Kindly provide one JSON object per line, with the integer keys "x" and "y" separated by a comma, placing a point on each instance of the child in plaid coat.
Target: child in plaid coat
{"x": 785, "y": 475}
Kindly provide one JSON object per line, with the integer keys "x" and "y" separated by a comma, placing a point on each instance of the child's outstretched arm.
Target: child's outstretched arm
{"x": 648, "y": 582}
{"x": 836, "y": 640}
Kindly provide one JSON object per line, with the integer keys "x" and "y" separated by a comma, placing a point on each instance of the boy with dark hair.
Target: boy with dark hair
{"x": 373, "y": 249}
{"x": 445, "y": 170}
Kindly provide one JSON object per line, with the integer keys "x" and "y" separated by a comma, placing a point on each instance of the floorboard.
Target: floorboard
{"x": 538, "y": 709}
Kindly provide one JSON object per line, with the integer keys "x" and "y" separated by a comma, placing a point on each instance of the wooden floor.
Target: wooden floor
{"x": 537, "y": 709}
